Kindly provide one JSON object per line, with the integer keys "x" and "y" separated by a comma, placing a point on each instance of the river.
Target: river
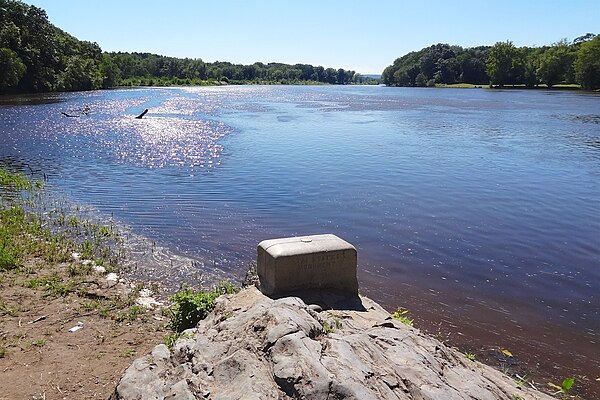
{"x": 476, "y": 209}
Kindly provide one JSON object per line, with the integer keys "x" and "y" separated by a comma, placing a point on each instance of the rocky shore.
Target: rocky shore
{"x": 315, "y": 346}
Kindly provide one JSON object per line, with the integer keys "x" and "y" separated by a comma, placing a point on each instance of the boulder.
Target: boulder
{"x": 255, "y": 347}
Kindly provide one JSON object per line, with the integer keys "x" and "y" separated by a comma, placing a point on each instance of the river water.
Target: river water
{"x": 476, "y": 209}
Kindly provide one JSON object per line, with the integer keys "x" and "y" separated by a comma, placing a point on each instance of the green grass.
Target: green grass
{"x": 6, "y": 309}
{"x": 132, "y": 313}
{"x": 15, "y": 181}
{"x": 170, "y": 339}
{"x": 36, "y": 223}
{"x": 54, "y": 285}
{"x": 38, "y": 343}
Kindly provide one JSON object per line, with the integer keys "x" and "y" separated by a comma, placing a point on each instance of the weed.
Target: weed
{"x": 470, "y": 356}
{"x": 129, "y": 353}
{"x": 135, "y": 311}
{"x": 14, "y": 181}
{"x": 327, "y": 328}
{"x": 189, "y": 306}
{"x": 35, "y": 222}
{"x": 2, "y": 352}
{"x": 401, "y": 314}
{"x": 131, "y": 314}
{"x": 6, "y": 309}
{"x": 90, "y": 305}
{"x": 331, "y": 327}
{"x": 170, "y": 339}
{"x": 564, "y": 388}
{"x": 74, "y": 269}
{"x": 522, "y": 380}
{"x": 103, "y": 312}
{"x": 38, "y": 342}
{"x": 52, "y": 285}
{"x": 43, "y": 282}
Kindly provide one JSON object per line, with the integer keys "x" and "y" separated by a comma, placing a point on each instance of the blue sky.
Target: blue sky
{"x": 360, "y": 35}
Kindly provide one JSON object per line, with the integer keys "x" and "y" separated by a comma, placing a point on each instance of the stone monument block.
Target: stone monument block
{"x": 306, "y": 262}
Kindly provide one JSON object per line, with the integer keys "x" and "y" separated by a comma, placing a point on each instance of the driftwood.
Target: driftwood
{"x": 82, "y": 111}
{"x": 142, "y": 114}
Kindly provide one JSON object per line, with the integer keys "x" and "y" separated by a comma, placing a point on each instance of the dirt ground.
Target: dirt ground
{"x": 42, "y": 357}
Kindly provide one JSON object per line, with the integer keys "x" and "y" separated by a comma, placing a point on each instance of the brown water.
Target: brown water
{"x": 475, "y": 209}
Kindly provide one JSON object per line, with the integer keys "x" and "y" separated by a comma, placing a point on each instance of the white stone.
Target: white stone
{"x": 99, "y": 269}
{"x": 112, "y": 277}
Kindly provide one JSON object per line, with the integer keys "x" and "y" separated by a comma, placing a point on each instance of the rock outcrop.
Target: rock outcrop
{"x": 254, "y": 347}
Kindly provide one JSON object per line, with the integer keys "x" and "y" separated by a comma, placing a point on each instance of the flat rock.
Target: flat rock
{"x": 254, "y": 347}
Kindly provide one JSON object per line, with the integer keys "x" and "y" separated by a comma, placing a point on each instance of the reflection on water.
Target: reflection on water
{"x": 474, "y": 205}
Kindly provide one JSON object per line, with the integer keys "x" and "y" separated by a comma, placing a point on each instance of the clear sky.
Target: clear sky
{"x": 365, "y": 36}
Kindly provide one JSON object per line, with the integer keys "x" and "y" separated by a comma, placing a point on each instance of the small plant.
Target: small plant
{"x": 170, "y": 339}
{"x": 189, "y": 306}
{"x": 15, "y": 181}
{"x": 331, "y": 327}
{"x": 133, "y": 312}
{"x": 6, "y": 309}
{"x": 470, "y": 356}
{"x": 401, "y": 314}
{"x": 74, "y": 269}
{"x": 564, "y": 388}
{"x": 2, "y": 352}
{"x": 38, "y": 342}
{"x": 129, "y": 353}
{"x": 522, "y": 380}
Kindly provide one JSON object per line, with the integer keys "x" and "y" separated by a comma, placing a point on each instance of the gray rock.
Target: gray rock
{"x": 278, "y": 349}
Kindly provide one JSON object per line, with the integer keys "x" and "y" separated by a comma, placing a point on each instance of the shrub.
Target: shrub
{"x": 189, "y": 306}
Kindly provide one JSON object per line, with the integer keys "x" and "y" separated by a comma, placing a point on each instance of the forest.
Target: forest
{"x": 36, "y": 56}
{"x": 576, "y": 62}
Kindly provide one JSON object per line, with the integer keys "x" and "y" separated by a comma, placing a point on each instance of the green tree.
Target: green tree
{"x": 80, "y": 74}
{"x": 10, "y": 35}
{"x": 12, "y": 69}
{"x": 587, "y": 64}
{"x": 555, "y": 63}
{"x": 111, "y": 73}
{"x": 502, "y": 63}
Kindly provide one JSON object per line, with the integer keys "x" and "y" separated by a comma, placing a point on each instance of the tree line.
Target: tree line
{"x": 36, "y": 56}
{"x": 576, "y": 62}
{"x": 152, "y": 69}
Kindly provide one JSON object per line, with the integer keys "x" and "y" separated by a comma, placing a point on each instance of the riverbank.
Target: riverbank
{"x": 566, "y": 86}
{"x": 69, "y": 324}
{"x": 66, "y": 335}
